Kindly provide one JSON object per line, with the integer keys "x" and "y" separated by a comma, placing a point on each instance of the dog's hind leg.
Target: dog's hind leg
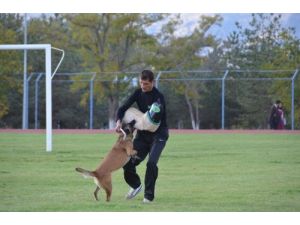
{"x": 96, "y": 193}
{"x": 96, "y": 181}
{"x": 107, "y": 185}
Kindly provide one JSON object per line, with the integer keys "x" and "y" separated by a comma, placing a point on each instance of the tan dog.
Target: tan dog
{"x": 116, "y": 158}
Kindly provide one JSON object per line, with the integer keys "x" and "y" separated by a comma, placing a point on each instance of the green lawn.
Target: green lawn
{"x": 197, "y": 172}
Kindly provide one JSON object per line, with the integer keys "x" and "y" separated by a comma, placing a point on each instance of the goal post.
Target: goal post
{"x": 47, "y": 48}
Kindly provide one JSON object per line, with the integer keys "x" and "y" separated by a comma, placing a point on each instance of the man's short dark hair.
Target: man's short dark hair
{"x": 147, "y": 75}
{"x": 278, "y": 102}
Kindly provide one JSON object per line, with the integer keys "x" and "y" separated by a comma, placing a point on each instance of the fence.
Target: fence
{"x": 239, "y": 98}
{"x": 229, "y": 99}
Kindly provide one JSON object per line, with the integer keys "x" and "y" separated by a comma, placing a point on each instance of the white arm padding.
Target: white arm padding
{"x": 141, "y": 120}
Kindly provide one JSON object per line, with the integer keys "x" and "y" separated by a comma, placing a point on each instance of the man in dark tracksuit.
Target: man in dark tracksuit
{"x": 145, "y": 142}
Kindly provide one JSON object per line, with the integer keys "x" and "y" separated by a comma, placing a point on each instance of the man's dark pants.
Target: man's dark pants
{"x": 145, "y": 144}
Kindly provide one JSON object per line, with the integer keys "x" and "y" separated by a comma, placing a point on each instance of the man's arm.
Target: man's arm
{"x": 123, "y": 108}
{"x": 163, "y": 103}
{"x": 162, "y": 132}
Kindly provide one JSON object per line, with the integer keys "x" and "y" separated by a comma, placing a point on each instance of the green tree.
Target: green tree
{"x": 111, "y": 42}
{"x": 54, "y": 29}
{"x": 11, "y": 61}
{"x": 263, "y": 45}
{"x": 186, "y": 53}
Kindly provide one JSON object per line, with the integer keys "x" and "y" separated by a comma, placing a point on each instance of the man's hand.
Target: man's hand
{"x": 118, "y": 127}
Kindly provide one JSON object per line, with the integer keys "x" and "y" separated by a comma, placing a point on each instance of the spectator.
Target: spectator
{"x": 281, "y": 119}
{"x": 274, "y": 118}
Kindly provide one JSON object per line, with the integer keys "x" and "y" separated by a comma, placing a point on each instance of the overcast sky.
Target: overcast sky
{"x": 228, "y": 24}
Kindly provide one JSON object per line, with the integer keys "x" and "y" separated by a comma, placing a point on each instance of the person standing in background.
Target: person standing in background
{"x": 281, "y": 118}
{"x": 274, "y": 118}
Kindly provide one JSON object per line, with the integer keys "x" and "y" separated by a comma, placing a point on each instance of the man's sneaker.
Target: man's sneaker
{"x": 145, "y": 200}
{"x": 133, "y": 192}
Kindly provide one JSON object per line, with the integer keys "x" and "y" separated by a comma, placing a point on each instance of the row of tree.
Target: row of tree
{"x": 103, "y": 43}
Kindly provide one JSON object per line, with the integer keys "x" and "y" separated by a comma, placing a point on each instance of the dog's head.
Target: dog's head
{"x": 128, "y": 128}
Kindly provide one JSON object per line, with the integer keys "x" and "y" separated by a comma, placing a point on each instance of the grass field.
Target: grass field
{"x": 197, "y": 172}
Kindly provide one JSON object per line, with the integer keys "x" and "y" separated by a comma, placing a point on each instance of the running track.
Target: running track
{"x": 172, "y": 131}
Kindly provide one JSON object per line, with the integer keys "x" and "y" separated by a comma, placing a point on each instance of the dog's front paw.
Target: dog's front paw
{"x": 132, "y": 153}
{"x": 135, "y": 156}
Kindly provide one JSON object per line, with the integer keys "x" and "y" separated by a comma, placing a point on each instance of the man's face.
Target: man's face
{"x": 146, "y": 85}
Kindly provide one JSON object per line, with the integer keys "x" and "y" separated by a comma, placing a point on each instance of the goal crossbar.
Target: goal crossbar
{"x": 47, "y": 49}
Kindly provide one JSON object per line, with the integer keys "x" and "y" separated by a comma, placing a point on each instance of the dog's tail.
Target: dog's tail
{"x": 84, "y": 172}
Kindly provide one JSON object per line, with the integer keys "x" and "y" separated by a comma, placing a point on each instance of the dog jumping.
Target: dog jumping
{"x": 122, "y": 150}
{"x": 116, "y": 158}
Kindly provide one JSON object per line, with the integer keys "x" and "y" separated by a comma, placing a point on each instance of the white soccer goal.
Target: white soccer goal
{"x": 49, "y": 76}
